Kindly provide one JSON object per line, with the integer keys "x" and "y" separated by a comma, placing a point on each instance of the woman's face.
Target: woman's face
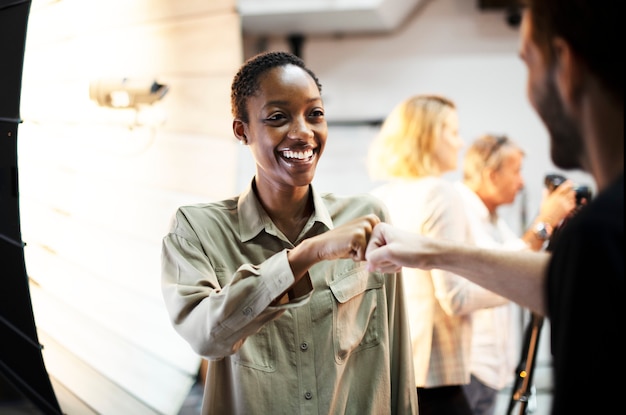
{"x": 448, "y": 144}
{"x": 287, "y": 129}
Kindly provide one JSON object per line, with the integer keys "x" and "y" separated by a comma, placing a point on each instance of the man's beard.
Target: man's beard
{"x": 566, "y": 145}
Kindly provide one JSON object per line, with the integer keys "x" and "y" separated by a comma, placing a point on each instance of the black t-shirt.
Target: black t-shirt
{"x": 586, "y": 306}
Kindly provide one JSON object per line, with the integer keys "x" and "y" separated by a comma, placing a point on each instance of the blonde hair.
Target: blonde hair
{"x": 486, "y": 152}
{"x": 405, "y": 143}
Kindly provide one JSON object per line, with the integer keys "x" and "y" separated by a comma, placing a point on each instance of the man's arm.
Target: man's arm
{"x": 516, "y": 275}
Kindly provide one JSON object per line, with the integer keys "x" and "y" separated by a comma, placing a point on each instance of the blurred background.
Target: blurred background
{"x": 125, "y": 115}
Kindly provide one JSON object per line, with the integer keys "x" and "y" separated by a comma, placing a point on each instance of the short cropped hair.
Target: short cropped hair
{"x": 592, "y": 28}
{"x": 246, "y": 82}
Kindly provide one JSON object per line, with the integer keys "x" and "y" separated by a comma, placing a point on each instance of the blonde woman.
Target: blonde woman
{"x": 418, "y": 143}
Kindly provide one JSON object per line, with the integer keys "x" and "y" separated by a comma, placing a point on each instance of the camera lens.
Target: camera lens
{"x": 582, "y": 192}
{"x": 552, "y": 181}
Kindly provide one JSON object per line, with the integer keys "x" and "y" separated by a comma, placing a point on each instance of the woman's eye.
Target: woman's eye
{"x": 317, "y": 113}
{"x": 276, "y": 117}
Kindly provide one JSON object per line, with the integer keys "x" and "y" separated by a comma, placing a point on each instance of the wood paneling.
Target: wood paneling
{"x": 196, "y": 56}
{"x": 98, "y": 187}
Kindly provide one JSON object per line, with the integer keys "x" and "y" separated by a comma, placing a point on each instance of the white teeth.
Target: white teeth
{"x": 300, "y": 155}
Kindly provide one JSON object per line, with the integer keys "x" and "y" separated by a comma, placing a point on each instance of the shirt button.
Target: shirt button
{"x": 304, "y": 346}
{"x": 247, "y": 311}
{"x": 308, "y": 396}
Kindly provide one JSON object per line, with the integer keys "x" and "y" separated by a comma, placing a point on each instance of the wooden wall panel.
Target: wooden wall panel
{"x": 60, "y": 20}
{"x": 98, "y": 186}
{"x": 140, "y": 172}
{"x": 197, "y": 105}
{"x": 120, "y": 310}
{"x": 196, "y": 57}
{"x": 96, "y": 393}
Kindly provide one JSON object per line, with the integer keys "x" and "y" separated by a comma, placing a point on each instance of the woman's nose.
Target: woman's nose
{"x": 300, "y": 130}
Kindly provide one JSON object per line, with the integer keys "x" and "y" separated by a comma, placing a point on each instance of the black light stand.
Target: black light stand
{"x": 523, "y": 382}
{"x": 522, "y": 388}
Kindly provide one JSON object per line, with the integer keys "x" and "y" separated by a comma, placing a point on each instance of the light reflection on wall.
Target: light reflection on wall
{"x": 98, "y": 187}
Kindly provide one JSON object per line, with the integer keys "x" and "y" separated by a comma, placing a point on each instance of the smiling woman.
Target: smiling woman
{"x": 247, "y": 278}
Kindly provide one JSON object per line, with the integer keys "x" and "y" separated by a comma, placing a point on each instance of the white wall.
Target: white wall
{"x": 449, "y": 47}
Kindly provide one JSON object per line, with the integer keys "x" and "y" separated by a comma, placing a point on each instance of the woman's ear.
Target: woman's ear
{"x": 239, "y": 129}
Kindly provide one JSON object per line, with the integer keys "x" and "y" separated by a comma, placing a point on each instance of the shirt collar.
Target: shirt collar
{"x": 253, "y": 218}
{"x": 475, "y": 203}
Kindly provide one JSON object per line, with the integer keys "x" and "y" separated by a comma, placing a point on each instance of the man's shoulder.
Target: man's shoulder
{"x": 598, "y": 224}
{"x": 606, "y": 210}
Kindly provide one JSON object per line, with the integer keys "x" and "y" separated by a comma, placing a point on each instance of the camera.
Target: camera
{"x": 552, "y": 181}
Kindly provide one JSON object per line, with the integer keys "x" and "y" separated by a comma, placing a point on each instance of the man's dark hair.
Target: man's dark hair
{"x": 592, "y": 28}
{"x": 246, "y": 81}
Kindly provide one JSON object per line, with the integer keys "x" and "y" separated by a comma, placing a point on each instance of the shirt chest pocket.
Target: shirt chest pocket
{"x": 358, "y": 312}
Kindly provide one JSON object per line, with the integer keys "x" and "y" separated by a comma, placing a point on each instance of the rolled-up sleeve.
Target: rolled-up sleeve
{"x": 215, "y": 318}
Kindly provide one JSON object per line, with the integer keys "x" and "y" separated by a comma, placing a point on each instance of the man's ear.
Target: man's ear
{"x": 239, "y": 129}
{"x": 569, "y": 73}
{"x": 490, "y": 175}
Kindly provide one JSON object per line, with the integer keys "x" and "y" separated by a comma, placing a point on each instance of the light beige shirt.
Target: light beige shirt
{"x": 440, "y": 303}
{"x": 342, "y": 347}
{"x": 496, "y": 332}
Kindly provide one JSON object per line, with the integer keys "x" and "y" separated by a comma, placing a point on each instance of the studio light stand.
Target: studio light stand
{"x": 523, "y": 386}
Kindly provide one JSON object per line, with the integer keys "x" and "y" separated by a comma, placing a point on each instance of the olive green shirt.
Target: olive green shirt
{"x": 341, "y": 346}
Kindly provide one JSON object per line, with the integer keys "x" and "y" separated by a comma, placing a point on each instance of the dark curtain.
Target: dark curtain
{"x": 21, "y": 363}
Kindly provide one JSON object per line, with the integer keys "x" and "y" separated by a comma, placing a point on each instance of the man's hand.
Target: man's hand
{"x": 391, "y": 248}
